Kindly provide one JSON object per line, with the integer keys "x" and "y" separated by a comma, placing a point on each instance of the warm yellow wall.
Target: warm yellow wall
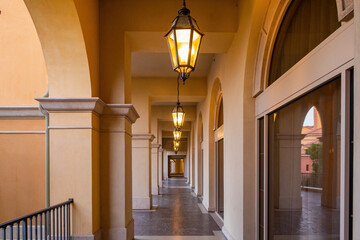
{"x": 22, "y": 65}
{"x": 22, "y": 171}
{"x": 88, "y": 11}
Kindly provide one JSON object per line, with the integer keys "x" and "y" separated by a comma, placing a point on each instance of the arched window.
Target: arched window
{"x": 305, "y": 25}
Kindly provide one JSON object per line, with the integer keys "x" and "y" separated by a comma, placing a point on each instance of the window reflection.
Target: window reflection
{"x": 304, "y": 167}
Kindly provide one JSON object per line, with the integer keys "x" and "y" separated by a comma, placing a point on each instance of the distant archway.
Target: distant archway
{"x": 200, "y": 157}
{"x": 215, "y": 93}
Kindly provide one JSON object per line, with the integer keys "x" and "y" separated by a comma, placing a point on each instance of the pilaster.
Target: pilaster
{"x": 155, "y": 168}
{"x": 160, "y": 160}
{"x": 74, "y": 159}
{"x": 141, "y": 150}
{"x": 116, "y": 174}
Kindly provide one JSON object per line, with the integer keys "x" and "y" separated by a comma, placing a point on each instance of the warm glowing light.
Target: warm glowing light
{"x": 176, "y": 144}
{"x": 177, "y": 134}
{"x": 178, "y": 116}
{"x": 184, "y": 39}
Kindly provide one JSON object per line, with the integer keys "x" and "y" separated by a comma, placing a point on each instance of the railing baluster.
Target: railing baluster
{"x": 18, "y": 230}
{"x": 63, "y": 208}
{"x": 57, "y": 224}
{"x": 30, "y": 227}
{"x": 53, "y": 223}
{"x": 11, "y": 232}
{"x": 41, "y": 226}
{"x": 60, "y": 224}
{"x": 4, "y": 233}
{"x": 36, "y": 230}
{"x": 68, "y": 222}
{"x": 24, "y": 229}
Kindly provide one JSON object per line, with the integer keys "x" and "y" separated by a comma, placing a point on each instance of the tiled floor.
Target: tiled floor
{"x": 178, "y": 216}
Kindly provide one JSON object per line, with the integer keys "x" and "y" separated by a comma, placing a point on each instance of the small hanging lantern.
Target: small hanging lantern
{"x": 177, "y": 134}
{"x": 184, "y": 39}
{"x": 176, "y": 144}
{"x": 178, "y": 116}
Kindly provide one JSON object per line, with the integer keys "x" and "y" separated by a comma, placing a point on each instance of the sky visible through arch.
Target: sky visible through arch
{"x": 309, "y": 119}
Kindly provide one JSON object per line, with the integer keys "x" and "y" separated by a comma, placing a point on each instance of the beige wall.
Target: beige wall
{"x": 22, "y": 171}
{"x": 230, "y": 70}
{"x": 22, "y": 65}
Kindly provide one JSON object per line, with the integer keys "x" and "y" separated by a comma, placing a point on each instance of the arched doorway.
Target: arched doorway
{"x": 200, "y": 162}
{"x": 219, "y": 151}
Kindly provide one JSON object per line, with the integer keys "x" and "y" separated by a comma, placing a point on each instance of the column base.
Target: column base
{"x": 95, "y": 236}
{"x": 126, "y": 233}
{"x": 155, "y": 191}
{"x": 142, "y": 203}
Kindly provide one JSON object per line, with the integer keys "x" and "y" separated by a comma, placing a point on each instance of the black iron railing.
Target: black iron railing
{"x": 52, "y": 223}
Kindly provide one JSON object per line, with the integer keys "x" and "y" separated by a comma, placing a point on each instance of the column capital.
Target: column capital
{"x": 155, "y": 145}
{"x": 143, "y": 136}
{"x": 93, "y": 104}
{"x": 126, "y": 110}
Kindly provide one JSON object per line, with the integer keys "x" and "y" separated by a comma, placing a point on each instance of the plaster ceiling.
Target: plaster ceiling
{"x": 146, "y": 64}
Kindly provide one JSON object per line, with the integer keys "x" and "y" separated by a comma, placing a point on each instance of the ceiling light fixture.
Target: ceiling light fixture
{"x": 177, "y": 134}
{"x": 178, "y": 113}
{"x": 184, "y": 39}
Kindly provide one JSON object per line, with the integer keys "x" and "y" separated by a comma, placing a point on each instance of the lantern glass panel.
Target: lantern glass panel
{"x": 177, "y": 135}
{"x": 195, "y": 47}
{"x": 171, "y": 42}
{"x": 178, "y": 118}
{"x": 183, "y": 45}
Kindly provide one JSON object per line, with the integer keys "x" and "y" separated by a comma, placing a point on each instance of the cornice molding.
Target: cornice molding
{"x": 94, "y": 104}
{"x": 20, "y": 112}
{"x": 126, "y": 110}
{"x": 143, "y": 136}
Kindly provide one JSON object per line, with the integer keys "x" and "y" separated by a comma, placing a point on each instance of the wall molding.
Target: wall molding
{"x": 22, "y": 132}
{"x": 20, "y": 112}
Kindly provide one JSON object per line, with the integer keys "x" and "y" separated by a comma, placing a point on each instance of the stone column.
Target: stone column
{"x": 165, "y": 164}
{"x": 155, "y": 168}
{"x": 116, "y": 175}
{"x": 141, "y": 171}
{"x": 290, "y": 171}
{"x": 74, "y": 160}
{"x": 160, "y": 160}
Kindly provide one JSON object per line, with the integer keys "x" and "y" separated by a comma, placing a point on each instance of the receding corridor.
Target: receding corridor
{"x": 177, "y": 214}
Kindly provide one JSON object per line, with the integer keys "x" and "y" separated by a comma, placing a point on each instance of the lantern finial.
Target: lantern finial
{"x": 184, "y": 11}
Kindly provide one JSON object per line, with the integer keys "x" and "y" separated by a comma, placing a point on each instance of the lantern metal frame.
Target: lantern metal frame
{"x": 178, "y": 109}
{"x": 184, "y": 21}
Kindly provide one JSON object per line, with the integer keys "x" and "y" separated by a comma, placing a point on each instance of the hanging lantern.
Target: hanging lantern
{"x": 178, "y": 116}
{"x": 184, "y": 39}
{"x": 177, "y": 134}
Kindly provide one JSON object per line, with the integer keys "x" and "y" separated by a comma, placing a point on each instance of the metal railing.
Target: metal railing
{"x": 52, "y": 223}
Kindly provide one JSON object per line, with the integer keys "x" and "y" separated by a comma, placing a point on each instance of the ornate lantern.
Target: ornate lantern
{"x": 178, "y": 116}
{"x": 184, "y": 39}
{"x": 177, "y": 134}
